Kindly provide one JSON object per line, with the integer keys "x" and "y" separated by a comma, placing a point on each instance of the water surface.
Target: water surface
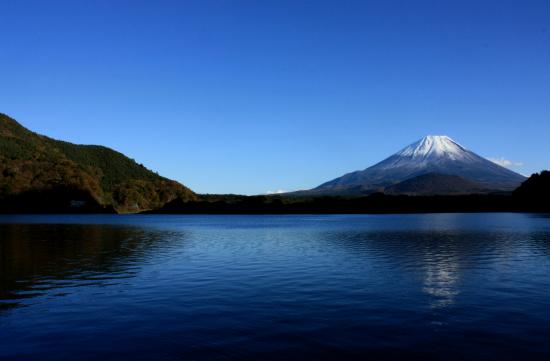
{"x": 384, "y": 287}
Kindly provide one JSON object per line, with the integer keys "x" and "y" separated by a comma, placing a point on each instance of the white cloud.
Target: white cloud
{"x": 506, "y": 162}
{"x": 279, "y": 191}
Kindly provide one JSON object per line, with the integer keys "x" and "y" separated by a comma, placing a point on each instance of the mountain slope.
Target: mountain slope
{"x": 432, "y": 154}
{"x": 34, "y": 164}
{"x": 435, "y": 184}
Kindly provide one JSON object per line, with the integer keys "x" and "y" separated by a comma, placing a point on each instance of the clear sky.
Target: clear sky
{"x": 256, "y": 96}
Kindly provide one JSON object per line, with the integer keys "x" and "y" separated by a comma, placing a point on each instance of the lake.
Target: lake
{"x": 292, "y": 287}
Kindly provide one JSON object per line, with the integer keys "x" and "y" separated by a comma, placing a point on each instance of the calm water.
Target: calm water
{"x": 447, "y": 286}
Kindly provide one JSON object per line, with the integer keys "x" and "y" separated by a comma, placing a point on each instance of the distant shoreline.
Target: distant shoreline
{"x": 372, "y": 204}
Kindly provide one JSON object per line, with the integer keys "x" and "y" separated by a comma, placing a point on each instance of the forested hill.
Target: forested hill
{"x": 35, "y": 170}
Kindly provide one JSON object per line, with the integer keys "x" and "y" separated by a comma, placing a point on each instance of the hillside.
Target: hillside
{"x": 536, "y": 186}
{"x": 535, "y": 192}
{"x": 35, "y": 169}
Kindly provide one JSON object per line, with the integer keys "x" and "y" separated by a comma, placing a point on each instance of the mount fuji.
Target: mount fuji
{"x": 422, "y": 167}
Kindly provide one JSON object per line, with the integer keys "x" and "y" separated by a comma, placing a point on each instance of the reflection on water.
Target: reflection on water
{"x": 38, "y": 258}
{"x": 442, "y": 275}
{"x": 438, "y": 258}
{"x": 427, "y": 287}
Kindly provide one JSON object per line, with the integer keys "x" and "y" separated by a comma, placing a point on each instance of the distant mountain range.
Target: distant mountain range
{"x": 40, "y": 174}
{"x": 432, "y": 165}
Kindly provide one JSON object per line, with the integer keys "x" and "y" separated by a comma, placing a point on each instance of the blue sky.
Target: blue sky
{"x": 251, "y": 96}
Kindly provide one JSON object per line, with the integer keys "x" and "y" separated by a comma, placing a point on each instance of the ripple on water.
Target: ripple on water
{"x": 268, "y": 287}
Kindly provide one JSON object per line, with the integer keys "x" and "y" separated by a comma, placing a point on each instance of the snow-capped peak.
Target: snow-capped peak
{"x": 434, "y": 154}
{"x": 434, "y": 145}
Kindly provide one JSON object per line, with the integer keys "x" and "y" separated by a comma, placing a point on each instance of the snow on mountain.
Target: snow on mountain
{"x": 437, "y": 154}
{"x": 433, "y": 145}
{"x": 430, "y": 149}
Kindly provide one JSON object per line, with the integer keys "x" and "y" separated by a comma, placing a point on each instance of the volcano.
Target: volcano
{"x": 431, "y": 155}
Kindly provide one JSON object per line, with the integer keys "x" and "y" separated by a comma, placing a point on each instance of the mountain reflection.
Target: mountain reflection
{"x": 441, "y": 277}
{"x": 435, "y": 260}
{"x": 37, "y": 258}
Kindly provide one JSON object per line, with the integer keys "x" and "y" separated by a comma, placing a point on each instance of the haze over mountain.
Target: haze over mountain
{"x": 38, "y": 173}
{"x": 435, "y": 155}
